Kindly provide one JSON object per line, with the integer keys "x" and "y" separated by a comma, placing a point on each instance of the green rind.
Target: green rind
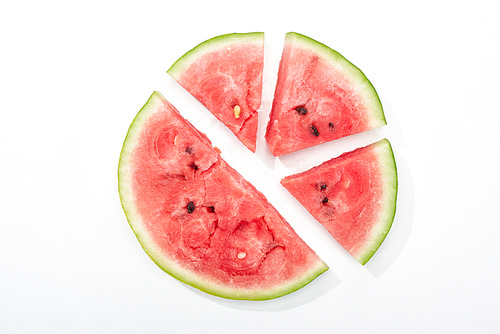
{"x": 215, "y": 43}
{"x": 390, "y": 179}
{"x": 354, "y": 73}
{"x": 125, "y": 190}
{"x": 155, "y": 253}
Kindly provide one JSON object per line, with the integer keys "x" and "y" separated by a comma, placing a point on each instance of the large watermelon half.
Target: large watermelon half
{"x": 319, "y": 97}
{"x": 199, "y": 220}
{"x": 225, "y": 74}
{"x": 353, "y": 196}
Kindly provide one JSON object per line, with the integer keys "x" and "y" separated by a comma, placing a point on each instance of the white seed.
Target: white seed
{"x": 176, "y": 140}
{"x": 241, "y": 255}
{"x": 347, "y": 182}
{"x": 237, "y": 111}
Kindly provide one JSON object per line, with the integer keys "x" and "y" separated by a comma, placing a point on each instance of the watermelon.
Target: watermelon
{"x": 353, "y": 196}
{"x": 199, "y": 220}
{"x": 225, "y": 74}
{"x": 320, "y": 96}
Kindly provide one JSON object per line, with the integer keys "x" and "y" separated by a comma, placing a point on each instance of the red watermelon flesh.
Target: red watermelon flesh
{"x": 353, "y": 196}
{"x": 225, "y": 74}
{"x": 319, "y": 97}
{"x": 199, "y": 220}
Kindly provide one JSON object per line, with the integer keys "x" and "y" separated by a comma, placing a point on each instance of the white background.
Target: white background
{"x": 74, "y": 74}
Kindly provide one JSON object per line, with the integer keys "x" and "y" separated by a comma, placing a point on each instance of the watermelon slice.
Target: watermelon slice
{"x": 199, "y": 220}
{"x": 353, "y": 196}
{"x": 319, "y": 97}
{"x": 225, "y": 74}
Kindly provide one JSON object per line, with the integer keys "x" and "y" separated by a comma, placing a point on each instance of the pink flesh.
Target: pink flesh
{"x": 233, "y": 235}
{"x": 305, "y": 80}
{"x": 353, "y": 188}
{"x": 228, "y": 77}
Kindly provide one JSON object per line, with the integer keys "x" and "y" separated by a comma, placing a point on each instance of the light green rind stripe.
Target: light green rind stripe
{"x": 210, "y": 45}
{"x": 248, "y": 294}
{"x": 350, "y": 70}
{"x": 390, "y": 179}
{"x": 156, "y": 254}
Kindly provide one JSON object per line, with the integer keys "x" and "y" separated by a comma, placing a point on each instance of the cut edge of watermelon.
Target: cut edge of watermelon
{"x": 210, "y": 45}
{"x": 155, "y": 253}
{"x": 350, "y": 70}
{"x": 247, "y": 134}
{"x": 381, "y": 225}
{"x": 390, "y": 180}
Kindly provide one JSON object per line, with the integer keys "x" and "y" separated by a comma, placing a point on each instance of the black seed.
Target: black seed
{"x": 301, "y": 110}
{"x": 314, "y": 131}
{"x": 191, "y": 207}
{"x": 193, "y": 166}
{"x": 331, "y": 126}
{"x": 322, "y": 186}
{"x": 325, "y": 200}
{"x": 210, "y": 209}
{"x": 189, "y": 150}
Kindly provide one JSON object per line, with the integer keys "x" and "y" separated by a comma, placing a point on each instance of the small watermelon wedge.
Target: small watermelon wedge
{"x": 320, "y": 96}
{"x": 225, "y": 74}
{"x": 199, "y": 220}
{"x": 353, "y": 196}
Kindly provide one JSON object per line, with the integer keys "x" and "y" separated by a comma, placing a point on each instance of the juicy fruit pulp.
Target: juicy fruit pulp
{"x": 225, "y": 74}
{"x": 199, "y": 220}
{"x": 319, "y": 97}
{"x": 353, "y": 196}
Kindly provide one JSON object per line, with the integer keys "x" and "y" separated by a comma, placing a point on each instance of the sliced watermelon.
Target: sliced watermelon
{"x": 199, "y": 220}
{"x": 225, "y": 74}
{"x": 353, "y": 196}
{"x": 319, "y": 97}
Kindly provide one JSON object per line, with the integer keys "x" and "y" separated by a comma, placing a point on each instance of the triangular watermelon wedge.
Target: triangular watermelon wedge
{"x": 199, "y": 220}
{"x": 320, "y": 96}
{"x": 225, "y": 74}
{"x": 353, "y": 196}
